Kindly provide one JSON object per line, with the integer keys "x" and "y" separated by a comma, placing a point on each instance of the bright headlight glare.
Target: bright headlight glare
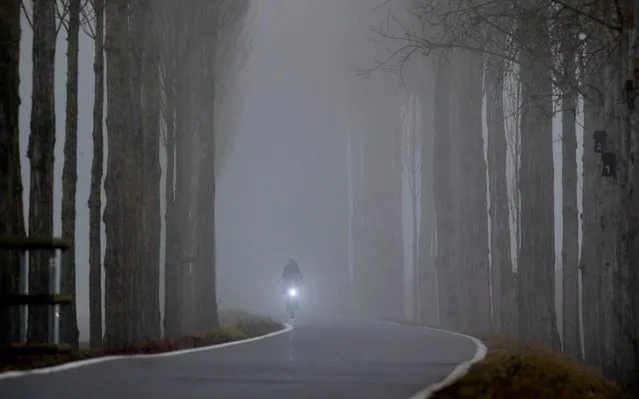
{"x": 292, "y": 292}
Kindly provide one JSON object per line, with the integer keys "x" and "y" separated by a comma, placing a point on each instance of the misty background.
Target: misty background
{"x": 283, "y": 190}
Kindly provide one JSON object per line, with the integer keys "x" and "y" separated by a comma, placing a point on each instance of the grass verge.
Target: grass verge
{"x": 528, "y": 371}
{"x": 234, "y": 325}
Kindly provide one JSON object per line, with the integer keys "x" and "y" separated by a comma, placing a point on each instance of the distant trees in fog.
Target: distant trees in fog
{"x": 527, "y": 63}
{"x": 163, "y": 71}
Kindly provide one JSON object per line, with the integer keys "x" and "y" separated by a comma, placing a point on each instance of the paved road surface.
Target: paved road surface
{"x": 323, "y": 358}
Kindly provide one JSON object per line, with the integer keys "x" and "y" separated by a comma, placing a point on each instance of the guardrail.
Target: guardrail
{"x": 24, "y": 299}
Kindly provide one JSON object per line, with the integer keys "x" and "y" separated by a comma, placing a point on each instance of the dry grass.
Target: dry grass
{"x": 527, "y": 371}
{"x": 234, "y": 325}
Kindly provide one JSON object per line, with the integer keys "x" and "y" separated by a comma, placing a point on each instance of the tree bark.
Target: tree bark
{"x": 11, "y": 206}
{"x": 388, "y": 240}
{"x": 68, "y": 316}
{"x": 206, "y": 299}
{"x": 500, "y": 237}
{"x": 121, "y": 214}
{"x": 619, "y": 236}
{"x": 501, "y": 268}
{"x": 357, "y": 222}
{"x": 95, "y": 196}
{"x": 171, "y": 323}
{"x": 152, "y": 172}
{"x": 183, "y": 201}
{"x": 590, "y": 258}
{"x": 474, "y": 226}
{"x": 536, "y": 302}
{"x": 41, "y": 156}
{"x": 570, "y": 243}
{"x": 145, "y": 104}
{"x": 442, "y": 187}
{"x": 427, "y": 232}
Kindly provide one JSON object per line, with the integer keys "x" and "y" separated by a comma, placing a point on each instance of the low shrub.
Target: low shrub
{"x": 234, "y": 326}
{"x": 529, "y": 371}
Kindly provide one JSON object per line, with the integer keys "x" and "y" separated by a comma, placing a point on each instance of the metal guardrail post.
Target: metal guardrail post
{"x": 24, "y": 300}
{"x": 54, "y": 288}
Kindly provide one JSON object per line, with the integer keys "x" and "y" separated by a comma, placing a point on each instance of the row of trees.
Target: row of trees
{"x": 486, "y": 228}
{"x": 163, "y": 70}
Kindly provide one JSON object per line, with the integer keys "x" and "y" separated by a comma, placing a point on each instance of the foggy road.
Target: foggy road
{"x": 320, "y": 358}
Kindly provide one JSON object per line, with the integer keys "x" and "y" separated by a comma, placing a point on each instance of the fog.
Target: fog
{"x": 471, "y": 171}
{"x": 283, "y": 192}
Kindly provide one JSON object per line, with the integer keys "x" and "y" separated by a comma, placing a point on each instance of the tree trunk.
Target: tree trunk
{"x": 426, "y": 267}
{"x": 145, "y": 104}
{"x": 171, "y": 323}
{"x": 570, "y": 243}
{"x": 415, "y": 264}
{"x": 41, "y": 155}
{"x": 183, "y": 189}
{"x": 206, "y": 301}
{"x": 590, "y": 259}
{"x": 391, "y": 216}
{"x": 121, "y": 214}
{"x": 619, "y": 237}
{"x": 135, "y": 47}
{"x": 413, "y": 171}
{"x": 152, "y": 172}
{"x": 95, "y": 197}
{"x": 357, "y": 225}
{"x": 628, "y": 276}
{"x": 474, "y": 226}
{"x": 442, "y": 188}
{"x": 500, "y": 235}
{"x": 536, "y": 302}
{"x": 11, "y": 206}
{"x": 68, "y": 320}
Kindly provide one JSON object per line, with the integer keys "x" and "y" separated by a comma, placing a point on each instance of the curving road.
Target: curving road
{"x": 323, "y": 358}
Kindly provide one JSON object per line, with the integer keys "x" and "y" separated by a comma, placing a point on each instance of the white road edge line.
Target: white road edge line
{"x": 74, "y": 365}
{"x": 458, "y": 372}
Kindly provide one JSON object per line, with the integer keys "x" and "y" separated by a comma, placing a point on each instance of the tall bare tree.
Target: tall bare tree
{"x": 11, "y": 206}
{"x": 411, "y": 167}
{"x": 448, "y": 300}
{"x": 68, "y": 317}
{"x": 182, "y": 29}
{"x": 500, "y": 234}
{"x": 473, "y": 228}
{"x": 429, "y": 285}
{"x": 143, "y": 59}
{"x": 206, "y": 300}
{"x": 122, "y": 186}
{"x": 537, "y": 316}
{"x": 150, "y": 103}
{"x": 41, "y": 157}
{"x": 569, "y": 48}
{"x": 97, "y": 170}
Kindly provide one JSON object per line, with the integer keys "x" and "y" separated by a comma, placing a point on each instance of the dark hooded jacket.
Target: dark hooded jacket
{"x": 291, "y": 271}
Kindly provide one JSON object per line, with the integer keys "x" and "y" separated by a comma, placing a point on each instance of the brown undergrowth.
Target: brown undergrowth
{"x": 512, "y": 370}
{"x": 234, "y": 325}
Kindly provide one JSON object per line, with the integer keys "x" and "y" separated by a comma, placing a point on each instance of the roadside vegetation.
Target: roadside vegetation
{"x": 234, "y": 326}
{"x": 529, "y": 371}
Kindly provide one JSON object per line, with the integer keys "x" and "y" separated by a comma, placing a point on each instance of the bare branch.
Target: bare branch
{"x": 27, "y": 14}
{"x": 62, "y": 11}
{"x": 593, "y": 18}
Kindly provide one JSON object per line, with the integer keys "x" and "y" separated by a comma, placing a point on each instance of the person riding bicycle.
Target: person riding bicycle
{"x": 291, "y": 274}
